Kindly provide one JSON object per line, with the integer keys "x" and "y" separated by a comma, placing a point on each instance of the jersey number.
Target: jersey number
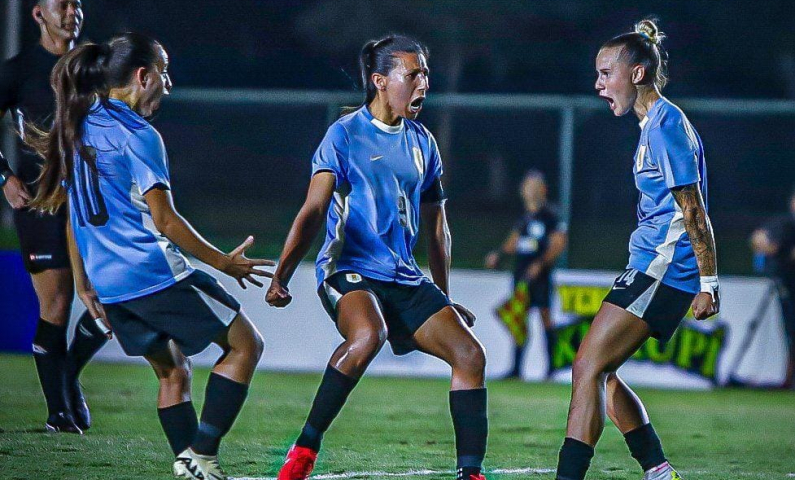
{"x": 90, "y": 197}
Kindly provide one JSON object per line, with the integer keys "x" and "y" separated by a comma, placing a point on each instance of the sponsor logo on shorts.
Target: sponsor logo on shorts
{"x": 40, "y": 257}
{"x": 40, "y": 350}
{"x": 625, "y": 280}
{"x": 353, "y": 278}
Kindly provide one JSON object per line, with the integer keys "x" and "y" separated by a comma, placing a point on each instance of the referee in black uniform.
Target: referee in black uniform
{"x": 25, "y": 92}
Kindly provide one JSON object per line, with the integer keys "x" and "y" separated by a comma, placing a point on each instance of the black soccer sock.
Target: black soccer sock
{"x": 518, "y": 359}
{"x": 574, "y": 460}
{"x": 86, "y": 343}
{"x": 180, "y": 424}
{"x": 222, "y": 403}
{"x": 645, "y": 446}
{"x": 471, "y": 424}
{"x": 329, "y": 399}
{"x": 49, "y": 352}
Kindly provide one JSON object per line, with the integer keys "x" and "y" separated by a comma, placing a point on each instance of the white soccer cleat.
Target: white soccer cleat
{"x": 205, "y": 467}
{"x": 662, "y": 472}
{"x": 182, "y": 465}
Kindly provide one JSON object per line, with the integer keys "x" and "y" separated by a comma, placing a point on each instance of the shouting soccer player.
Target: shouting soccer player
{"x": 375, "y": 174}
{"x": 25, "y": 91}
{"x": 672, "y": 262}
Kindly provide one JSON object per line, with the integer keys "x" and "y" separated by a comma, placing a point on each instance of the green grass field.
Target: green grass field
{"x": 390, "y": 425}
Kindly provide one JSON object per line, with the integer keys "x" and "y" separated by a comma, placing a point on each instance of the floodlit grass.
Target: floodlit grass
{"x": 390, "y": 425}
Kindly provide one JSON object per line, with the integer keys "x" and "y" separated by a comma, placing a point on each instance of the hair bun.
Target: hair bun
{"x": 648, "y": 29}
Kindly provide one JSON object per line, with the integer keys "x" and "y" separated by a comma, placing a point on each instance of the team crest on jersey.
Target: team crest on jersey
{"x": 641, "y": 156}
{"x": 353, "y": 278}
{"x": 418, "y": 161}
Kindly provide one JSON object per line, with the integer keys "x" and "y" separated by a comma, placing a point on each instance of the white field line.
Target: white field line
{"x": 500, "y": 471}
{"x": 413, "y": 473}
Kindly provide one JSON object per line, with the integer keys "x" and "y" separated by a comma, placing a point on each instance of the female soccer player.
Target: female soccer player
{"x": 672, "y": 257}
{"x": 109, "y": 164}
{"x": 25, "y": 92}
{"x": 536, "y": 240}
{"x": 375, "y": 173}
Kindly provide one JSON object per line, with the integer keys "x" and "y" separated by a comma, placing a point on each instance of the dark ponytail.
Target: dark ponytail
{"x": 81, "y": 77}
{"x": 644, "y": 46}
{"x": 378, "y": 56}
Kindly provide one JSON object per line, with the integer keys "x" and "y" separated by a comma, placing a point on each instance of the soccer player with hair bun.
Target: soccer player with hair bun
{"x": 672, "y": 264}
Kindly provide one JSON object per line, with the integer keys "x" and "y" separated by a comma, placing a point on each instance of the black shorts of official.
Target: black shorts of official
{"x": 661, "y": 306}
{"x": 405, "y": 307}
{"x": 42, "y": 238}
{"x": 192, "y": 312}
{"x": 539, "y": 291}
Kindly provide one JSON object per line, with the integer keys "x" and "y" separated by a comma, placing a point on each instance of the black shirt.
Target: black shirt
{"x": 25, "y": 92}
{"x": 781, "y": 231}
{"x": 534, "y": 230}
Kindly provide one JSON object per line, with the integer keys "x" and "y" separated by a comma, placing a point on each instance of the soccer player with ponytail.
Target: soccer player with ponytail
{"x": 109, "y": 165}
{"x": 375, "y": 174}
{"x": 672, "y": 265}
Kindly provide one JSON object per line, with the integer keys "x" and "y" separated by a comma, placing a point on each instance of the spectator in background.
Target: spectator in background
{"x": 536, "y": 241}
{"x": 774, "y": 255}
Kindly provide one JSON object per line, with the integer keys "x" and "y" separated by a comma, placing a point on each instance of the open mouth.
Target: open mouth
{"x": 609, "y": 101}
{"x": 416, "y": 105}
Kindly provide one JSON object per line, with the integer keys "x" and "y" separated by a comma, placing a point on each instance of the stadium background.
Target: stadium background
{"x": 244, "y": 167}
{"x": 240, "y": 145}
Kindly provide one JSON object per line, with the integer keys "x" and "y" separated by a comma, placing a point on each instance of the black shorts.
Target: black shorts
{"x": 42, "y": 238}
{"x": 539, "y": 291}
{"x": 405, "y": 307}
{"x": 192, "y": 312}
{"x": 661, "y": 306}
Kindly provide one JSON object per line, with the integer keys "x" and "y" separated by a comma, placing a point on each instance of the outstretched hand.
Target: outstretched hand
{"x": 242, "y": 268}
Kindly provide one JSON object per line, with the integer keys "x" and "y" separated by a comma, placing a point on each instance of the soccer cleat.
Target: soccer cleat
{"x": 204, "y": 467}
{"x": 80, "y": 412}
{"x": 181, "y": 466}
{"x": 477, "y": 477}
{"x": 662, "y": 472}
{"x": 466, "y": 474}
{"x": 62, "y": 423}
{"x": 298, "y": 464}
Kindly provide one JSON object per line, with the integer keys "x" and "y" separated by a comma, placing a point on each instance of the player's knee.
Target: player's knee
{"x": 56, "y": 308}
{"x": 258, "y": 345}
{"x": 366, "y": 344}
{"x": 586, "y": 368}
{"x": 471, "y": 357}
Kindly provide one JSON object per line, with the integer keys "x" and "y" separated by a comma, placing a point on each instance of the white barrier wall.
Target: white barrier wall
{"x": 301, "y": 337}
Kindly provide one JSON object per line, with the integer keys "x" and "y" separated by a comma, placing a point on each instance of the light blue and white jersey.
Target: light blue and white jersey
{"x": 669, "y": 155}
{"x": 125, "y": 256}
{"x": 373, "y": 220}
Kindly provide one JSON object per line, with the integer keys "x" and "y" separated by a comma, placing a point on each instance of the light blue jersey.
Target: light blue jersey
{"x": 373, "y": 220}
{"x": 125, "y": 257}
{"x": 669, "y": 155}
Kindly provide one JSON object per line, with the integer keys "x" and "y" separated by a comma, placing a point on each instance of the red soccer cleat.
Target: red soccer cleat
{"x": 477, "y": 477}
{"x": 298, "y": 464}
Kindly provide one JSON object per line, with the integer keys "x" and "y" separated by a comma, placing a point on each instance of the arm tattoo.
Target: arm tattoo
{"x": 698, "y": 227}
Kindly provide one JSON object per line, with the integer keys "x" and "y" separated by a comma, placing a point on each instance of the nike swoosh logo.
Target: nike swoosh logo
{"x": 376, "y": 157}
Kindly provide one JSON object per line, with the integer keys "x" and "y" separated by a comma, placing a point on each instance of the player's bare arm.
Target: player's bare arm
{"x": 303, "y": 231}
{"x": 699, "y": 230}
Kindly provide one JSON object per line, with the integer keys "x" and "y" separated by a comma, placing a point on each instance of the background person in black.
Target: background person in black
{"x": 536, "y": 240}
{"x": 775, "y": 242}
{"x": 25, "y": 92}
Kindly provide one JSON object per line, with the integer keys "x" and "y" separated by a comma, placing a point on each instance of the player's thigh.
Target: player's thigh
{"x": 359, "y": 316}
{"x": 169, "y": 362}
{"x": 614, "y": 336}
{"x": 241, "y": 335}
{"x": 445, "y": 335}
{"x": 55, "y": 291}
